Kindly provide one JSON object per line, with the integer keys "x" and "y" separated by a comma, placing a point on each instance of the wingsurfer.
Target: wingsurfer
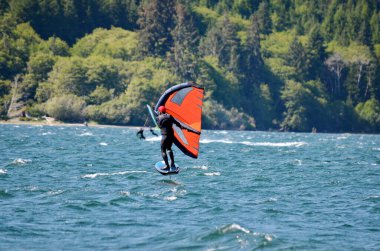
{"x": 140, "y": 133}
{"x": 165, "y": 121}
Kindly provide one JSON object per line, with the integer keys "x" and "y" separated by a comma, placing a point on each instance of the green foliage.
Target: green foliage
{"x": 17, "y": 43}
{"x": 304, "y": 106}
{"x": 5, "y": 97}
{"x": 156, "y": 21}
{"x": 100, "y": 95}
{"x": 298, "y": 59}
{"x": 70, "y": 19}
{"x": 298, "y": 64}
{"x": 369, "y": 112}
{"x": 215, "y": 116}
{"x": 116, "y": 43}
{"x": 67, "y": 108}
{"x": 55, "y": 46}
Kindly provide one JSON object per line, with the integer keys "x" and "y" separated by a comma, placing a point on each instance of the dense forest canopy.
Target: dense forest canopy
{"x": 293, "y": 65}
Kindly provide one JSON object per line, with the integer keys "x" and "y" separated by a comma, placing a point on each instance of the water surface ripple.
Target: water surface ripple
{"x": 78, "y": 188}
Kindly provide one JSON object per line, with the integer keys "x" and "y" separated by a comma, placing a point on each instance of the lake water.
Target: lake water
{"x": 78, "y": 188}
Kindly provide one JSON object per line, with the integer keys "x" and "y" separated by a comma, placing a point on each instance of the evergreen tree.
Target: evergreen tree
{"x": 252, "y": 59}
{"x": 245, "y": 8}
{"x": 222, "y": 42}
{"x": 328, "y": 29}
{"x": 316, "y": 53}
{"x": 375, "y": 27}
{"x": 297, "y": 58}
{"x": 263, "y": 18}
{"x": 156, "y": 20}
{"x": 341, "y": 30}
{"x": 184, "y": 51}
{"x": 230, "y": 44}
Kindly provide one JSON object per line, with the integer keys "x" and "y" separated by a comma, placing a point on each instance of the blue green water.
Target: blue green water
{"x": 78, "y": 188}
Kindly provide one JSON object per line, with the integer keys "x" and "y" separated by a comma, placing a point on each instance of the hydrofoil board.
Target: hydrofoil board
{"x": 161, "y": 164}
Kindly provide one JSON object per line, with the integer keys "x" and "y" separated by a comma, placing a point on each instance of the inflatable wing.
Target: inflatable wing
{"x": 184, "y": 102}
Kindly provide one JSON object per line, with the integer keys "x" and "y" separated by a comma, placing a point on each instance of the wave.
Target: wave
{"x": 103, "y": 144}
{"x": 94, "y": 175}
{"x": 248, "y": 143}
{"x": 170, "y": 198}
{"x": 201, "y": 167}
{"x": 245, "y": 238}
{"x": 213, "y": 174}
{"x": 20, "y": 161}
{"x": 47, "y": 133}
{"x": 153, "y": 139}
{"x": 86, "y": 134}
{"x": 3, "y": 171}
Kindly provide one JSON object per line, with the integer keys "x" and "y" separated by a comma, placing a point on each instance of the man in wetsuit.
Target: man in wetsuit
{"x": 140, "y": 133}
{"x": 165, "y": 121}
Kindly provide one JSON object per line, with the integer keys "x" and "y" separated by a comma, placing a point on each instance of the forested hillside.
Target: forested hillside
{"x": 265, "y": 64}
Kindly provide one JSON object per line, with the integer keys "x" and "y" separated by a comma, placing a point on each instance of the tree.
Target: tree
{"x": 369, "y": 112}
{"x": 68, "y": 108}
{"x": 184, "y": 51}
{"x": 252, "y": 62}
{"x": 264, "y": 19}
{"x": 297, "y": 58}
{"x": 156, "y": 20}
{"x": 375, "y": 27}
{"x": 222, "y": 42}
{"x": 316, "y": 53}
{"x": 245, "y": 8}
{"x": 336, "y": 64}
{"x": 304, "y": 106}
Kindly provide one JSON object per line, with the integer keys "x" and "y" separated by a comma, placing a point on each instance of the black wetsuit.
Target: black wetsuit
{"x": 140, "y": 134}
{"x": 165, "y": 122}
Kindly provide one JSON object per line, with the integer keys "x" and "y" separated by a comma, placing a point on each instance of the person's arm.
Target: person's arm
{"x": 183, "y": 126}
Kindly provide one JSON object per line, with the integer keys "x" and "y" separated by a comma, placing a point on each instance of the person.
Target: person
{"x": 152, "y": 131}
{"x": 165, "y": 122}
{"x": 140, "y": 133}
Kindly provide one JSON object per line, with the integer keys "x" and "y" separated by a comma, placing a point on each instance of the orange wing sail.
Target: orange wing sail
{"x": 184, "y": 102}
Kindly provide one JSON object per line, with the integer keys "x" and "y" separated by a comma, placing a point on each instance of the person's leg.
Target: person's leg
{"x": 171, "y": 155}
{"x": 163, "y": 151}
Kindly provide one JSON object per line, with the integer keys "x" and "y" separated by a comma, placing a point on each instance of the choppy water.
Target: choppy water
{"x": 77, "y": 188}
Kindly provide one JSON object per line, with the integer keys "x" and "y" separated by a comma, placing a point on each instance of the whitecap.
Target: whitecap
{"x": 234, "y": 227}
{"x": 47, "y": 133}
{"x": 94, "y": 175}
{"x": 201, "y": 167}
{"x": 207, "y": 141}
{"x": 220, "y": 132}
{"x": 86, "y": 134}
{"x": 20, "y": 161}
{"x": 153, "y": 139}
{"x": 213, "y": 174}
{"x": 126, "y": 193}
{"x": 103, "y": 144}
{"x": 275, "y": 144}
{"x": 170, "y": 198}
{"x": 248, "y": 143}
{"x": 3, "y": 171}
{"x": 55, "y": 192}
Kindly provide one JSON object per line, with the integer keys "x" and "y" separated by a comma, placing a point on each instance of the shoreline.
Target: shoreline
{"x": 58, "y": 123}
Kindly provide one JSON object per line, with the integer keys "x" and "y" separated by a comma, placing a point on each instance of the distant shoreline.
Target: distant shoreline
{"x": 58, "y": 123}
